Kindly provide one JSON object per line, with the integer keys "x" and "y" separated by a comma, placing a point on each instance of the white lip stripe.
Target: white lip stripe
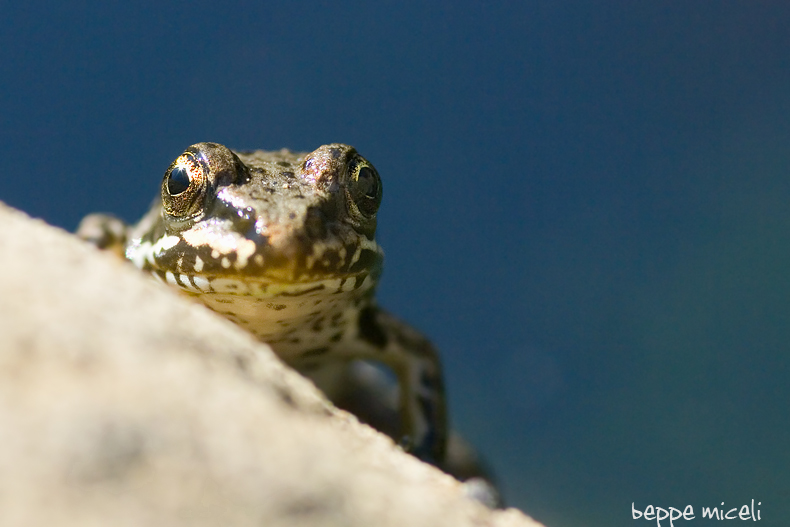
{"x": 187, "y": 284}
{"x": 171, "y": 279}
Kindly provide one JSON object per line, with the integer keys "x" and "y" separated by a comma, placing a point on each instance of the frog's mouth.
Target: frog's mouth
{"x": 263, "y": 288}
{"x": 203, "y": 261}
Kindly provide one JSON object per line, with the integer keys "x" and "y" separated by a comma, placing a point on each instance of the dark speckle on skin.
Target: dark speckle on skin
{"x": 370, "y": 330}
{"x": 314, "y": 352}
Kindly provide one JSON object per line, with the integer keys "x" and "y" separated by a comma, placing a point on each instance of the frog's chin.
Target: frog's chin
{"x": 268, "y": 308}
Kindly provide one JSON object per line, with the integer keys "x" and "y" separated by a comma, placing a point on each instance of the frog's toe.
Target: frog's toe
{"x": 482, "y": 490}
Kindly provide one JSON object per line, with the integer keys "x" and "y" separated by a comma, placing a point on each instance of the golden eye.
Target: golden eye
{"x": 365, "y": 187}
{"x": 184, "y": 185}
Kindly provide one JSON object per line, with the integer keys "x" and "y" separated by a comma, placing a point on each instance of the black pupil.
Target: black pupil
{"x": 178, "y": 181}
{"x": 367, "y": 183}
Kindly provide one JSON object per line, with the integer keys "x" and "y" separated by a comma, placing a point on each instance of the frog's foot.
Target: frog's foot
{"x": 463, "y": 463}
{"x": 370, "y": 391}
{"x": 482, "y": 490}
{"x": 104, "y": 231}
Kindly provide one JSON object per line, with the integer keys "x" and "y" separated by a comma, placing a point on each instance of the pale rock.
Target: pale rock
{"x": 124, "y": 404}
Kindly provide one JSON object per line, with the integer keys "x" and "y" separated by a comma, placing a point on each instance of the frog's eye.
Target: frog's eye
{"x": 183, "y": 186}
{"x": 178, "y": 181}
{"x": 365, "y": 187}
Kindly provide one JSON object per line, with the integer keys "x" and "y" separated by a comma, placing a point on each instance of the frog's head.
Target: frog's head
{"x": 269, "y": 217}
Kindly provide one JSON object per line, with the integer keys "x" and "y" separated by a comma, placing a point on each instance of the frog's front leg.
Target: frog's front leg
{"x": 402, "y": 397}
{"x": 416, "y": 364}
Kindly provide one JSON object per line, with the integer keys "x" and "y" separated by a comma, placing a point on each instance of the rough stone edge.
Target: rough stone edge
{"x": 69, "y": 293}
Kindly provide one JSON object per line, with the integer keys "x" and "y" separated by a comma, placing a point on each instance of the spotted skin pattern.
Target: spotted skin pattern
{"x": 282, "y": 243}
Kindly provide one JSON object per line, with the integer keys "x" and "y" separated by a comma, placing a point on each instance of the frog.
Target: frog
{"x": 283, "y": 244}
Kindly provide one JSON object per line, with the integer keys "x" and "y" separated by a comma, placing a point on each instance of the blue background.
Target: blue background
{"x": 586, "y": 204}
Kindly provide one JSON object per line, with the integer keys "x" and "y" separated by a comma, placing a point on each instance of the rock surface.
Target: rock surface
{"x": 124, "y": 404}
